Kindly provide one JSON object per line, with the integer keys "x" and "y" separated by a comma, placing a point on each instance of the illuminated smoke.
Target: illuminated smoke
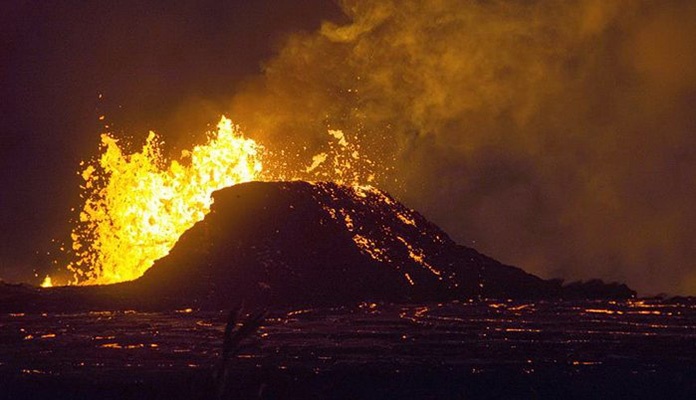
{"x": 555, "y": 135}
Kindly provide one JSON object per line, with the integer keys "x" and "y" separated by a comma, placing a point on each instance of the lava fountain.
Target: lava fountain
{"x": 136, "y": 206}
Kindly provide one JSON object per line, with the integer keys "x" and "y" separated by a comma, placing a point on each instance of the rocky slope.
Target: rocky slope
{"x": 274, "y": 243}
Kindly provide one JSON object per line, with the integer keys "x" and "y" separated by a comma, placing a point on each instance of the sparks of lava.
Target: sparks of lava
{"x": 136, "y": 206}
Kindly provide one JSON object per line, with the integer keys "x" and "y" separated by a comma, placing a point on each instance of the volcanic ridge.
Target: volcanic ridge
{"x": 290, "y": 243}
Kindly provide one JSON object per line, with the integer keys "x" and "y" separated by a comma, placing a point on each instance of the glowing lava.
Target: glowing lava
{"x": 136, "y": 206}
{"x": 47, "y": 282}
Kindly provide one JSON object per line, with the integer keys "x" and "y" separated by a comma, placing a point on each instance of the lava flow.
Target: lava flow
{"x": 136, "y": 206}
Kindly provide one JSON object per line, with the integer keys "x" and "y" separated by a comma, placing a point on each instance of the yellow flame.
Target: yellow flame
{"x": 47, "y": 282}
{"x": 138, "y": 205}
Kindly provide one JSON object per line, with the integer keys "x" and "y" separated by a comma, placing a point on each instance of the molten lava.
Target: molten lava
{"x": 47, "y": 282}
{"x": 136, "y": 206}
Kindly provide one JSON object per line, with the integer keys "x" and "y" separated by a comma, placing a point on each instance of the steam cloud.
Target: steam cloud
{"x": 559, "y": 136}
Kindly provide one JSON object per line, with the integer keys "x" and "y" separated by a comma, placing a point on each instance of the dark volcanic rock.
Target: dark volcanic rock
{"x": 296, "y": 242}
{"x": 302, "y": 243}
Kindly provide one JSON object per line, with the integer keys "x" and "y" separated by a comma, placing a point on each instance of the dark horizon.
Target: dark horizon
{"x": 557, "y": 138}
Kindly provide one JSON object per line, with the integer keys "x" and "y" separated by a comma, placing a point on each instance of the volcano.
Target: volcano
{"x": 277, "y": 243}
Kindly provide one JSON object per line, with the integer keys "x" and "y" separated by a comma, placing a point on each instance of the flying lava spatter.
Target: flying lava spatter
{"x": 136, "y": 206}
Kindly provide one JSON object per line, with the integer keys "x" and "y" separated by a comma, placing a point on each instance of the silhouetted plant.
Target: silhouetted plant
{"x": 240, "y": 325}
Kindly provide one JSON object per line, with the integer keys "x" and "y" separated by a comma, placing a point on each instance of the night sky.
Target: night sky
{"x": 556, "y": 136}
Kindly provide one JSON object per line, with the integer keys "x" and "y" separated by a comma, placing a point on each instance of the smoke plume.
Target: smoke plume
{"x": 558, "y": 136}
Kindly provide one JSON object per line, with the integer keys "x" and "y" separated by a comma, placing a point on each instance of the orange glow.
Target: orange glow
{"x": 47, "y": 282}
{"x": 136, "y": 206}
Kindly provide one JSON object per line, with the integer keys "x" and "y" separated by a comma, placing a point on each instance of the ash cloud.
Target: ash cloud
{"x": 559, "y": 136}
